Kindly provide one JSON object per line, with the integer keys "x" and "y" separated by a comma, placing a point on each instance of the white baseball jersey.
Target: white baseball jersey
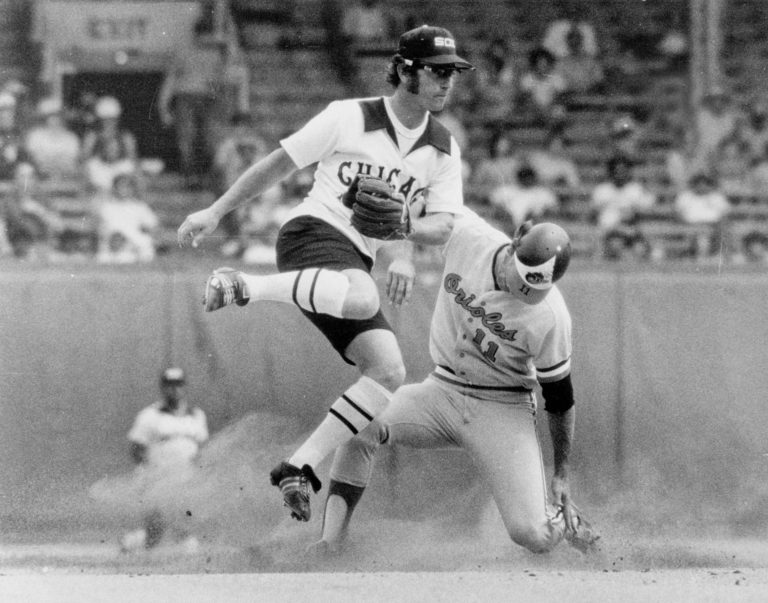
{"x": 486, "y": 336}
{"x": 169, "y": 438}
{"x": 363, "y": 136}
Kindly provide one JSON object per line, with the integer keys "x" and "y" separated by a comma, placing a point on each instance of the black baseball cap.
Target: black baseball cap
{"x": 428, "y": 45}
{"x": 173, "y": 375}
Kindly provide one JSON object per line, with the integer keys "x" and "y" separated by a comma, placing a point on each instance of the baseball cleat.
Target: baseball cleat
{"x": 583, "y": 537}
{"x": 294, "y": 485}
{"x": 225, "y": 286}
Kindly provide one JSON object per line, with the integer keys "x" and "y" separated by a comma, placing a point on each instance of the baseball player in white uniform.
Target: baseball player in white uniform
{"x": 499, "y": 328}
{"x": 324, "y": 262}
{"x": 165, "y": 438}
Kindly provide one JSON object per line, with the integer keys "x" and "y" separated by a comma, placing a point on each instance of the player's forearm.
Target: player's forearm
{"x": 431, "y": 229}
{"x": 261, "y": 176}
{"x": 561, "y": 428}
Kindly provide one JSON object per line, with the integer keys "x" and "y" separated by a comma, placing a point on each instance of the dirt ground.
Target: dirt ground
{"x": 378, "y": 566}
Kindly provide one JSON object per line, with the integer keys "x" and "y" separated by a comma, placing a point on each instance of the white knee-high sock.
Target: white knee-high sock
{"x": 348, "y": 415}
{"x": 317, "y": 290}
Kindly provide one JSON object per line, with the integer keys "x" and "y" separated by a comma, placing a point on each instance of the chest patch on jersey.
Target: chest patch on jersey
{"x": 493, "y": 321}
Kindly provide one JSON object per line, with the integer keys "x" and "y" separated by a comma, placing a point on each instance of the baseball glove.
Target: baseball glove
{"x": 378, "y": 211}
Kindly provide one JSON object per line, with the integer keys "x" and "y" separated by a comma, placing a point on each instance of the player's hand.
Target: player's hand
{"x": 400, "y": 277}
{"x": 561, "y": 494}
{"x": 196, "y": 226}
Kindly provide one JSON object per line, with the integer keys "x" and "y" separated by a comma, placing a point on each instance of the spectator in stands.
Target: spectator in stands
{"x": 541, "y": 90}
{"x": 625, "y": 135}
{"x": 674, "y": 46}
{"x": 240, "y": 149}
{"x": 81, "y": 116}
{"x": 54, "y": 149}
{"x": 127, "y": 224}
{"x": 495, "y": 170}
{"x": 15, "y": 162}
{"x": 569, "y": 17}
{"x": 581, "y": 71}
{"x": 732, "y": 162}
{"x": 716, "y": 118}
{"x": 554, "y": 163}
{"x": 753, "y": 128}
{"x": 524, "y": 199}
{"x": 108, "y": 149}
{"x": 365, "y": 22}
{"x": 187, "y": 100}
{"x": 758, "y": 177}
{"x": 493, "y": 85}
{"x": 617, "y": 202}
{"x": 704, "y": 203}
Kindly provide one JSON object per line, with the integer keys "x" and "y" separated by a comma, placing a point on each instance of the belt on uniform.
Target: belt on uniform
{"x": 441, "y": 370}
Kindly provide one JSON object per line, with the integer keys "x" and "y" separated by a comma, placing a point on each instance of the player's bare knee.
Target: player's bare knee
{"x": 361, "y": 304}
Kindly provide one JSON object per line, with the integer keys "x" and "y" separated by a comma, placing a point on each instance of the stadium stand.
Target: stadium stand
{"x": 287, "y": 52}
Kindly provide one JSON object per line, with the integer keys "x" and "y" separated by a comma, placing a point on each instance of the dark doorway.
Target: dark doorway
{"x": 137, "y": 93}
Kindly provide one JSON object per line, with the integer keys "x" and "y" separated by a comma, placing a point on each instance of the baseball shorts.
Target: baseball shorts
{"x": 308, "y": 242}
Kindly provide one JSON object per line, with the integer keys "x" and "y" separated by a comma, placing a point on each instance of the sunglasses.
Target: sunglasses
{"x": 442, "y": 72}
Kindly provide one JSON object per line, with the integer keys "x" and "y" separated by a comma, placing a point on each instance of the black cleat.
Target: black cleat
{"x": 294, "y": 485}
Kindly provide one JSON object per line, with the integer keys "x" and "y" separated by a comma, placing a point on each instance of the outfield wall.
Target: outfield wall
{"x": 669, "y": 370}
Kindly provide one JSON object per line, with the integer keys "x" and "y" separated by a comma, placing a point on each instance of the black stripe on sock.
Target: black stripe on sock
{"x": 343, "y": 420}
{"x": 312, "y": 290}
{"x": 296, "y": 288}
{"x": 357, "y": 408}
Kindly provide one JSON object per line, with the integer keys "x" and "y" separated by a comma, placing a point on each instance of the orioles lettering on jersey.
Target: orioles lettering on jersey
{"x": 491, "y": 321}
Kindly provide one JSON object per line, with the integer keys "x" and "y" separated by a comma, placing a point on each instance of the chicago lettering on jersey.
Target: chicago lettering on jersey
{"x": 491, "y": 321}
{"x": 349, "y": 170}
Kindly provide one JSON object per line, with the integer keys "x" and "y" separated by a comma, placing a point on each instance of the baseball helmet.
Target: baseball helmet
{"x": 173, "y": 375}
{"x": 542, "y": 254}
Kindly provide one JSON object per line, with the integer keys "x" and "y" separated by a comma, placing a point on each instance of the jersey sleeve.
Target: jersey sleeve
{"x": 553, "y": 359}
{"x": 141, "y": 431}
{"x": 319, "y": 137}
{"x": 445, "y": 191}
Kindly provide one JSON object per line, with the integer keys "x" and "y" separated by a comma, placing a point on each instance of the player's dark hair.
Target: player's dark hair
{"x": 393, "y": 77}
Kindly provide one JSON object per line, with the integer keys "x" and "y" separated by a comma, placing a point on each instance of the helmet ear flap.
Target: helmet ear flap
{"x": 521, "y": 231}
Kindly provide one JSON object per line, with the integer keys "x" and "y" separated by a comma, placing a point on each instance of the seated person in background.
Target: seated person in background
{"x": 616, "y": 203}
{"x": 758, "y": 178}
{"x": 753, "y": 128}
{"x": 541, "y": 89}
{"x": 553, "y": 163}
{"x": 108, "y": 150}
{"x": 732, "y": 161}
{"x": 570, "y": 17}
{"x": 494, "y": 85}
{"x": 495, "y": 170}
{"x": 526, "y": 199}
{"x": 53, "y": 148}
{"x": 237, "y": 152}
{"x": 14, "y": 159}
{"x": 716, "y": 118}
{"x": 624, "y": 137}
{"x": 704, "y": 203}
{"x": 127, "y": 224}
{"x": 365, "y": 22}
{"x": 581, "y": 71}
{"x": 165, "y": 441}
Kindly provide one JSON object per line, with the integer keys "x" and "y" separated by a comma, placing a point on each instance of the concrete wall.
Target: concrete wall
{"x": 669, "y": 370}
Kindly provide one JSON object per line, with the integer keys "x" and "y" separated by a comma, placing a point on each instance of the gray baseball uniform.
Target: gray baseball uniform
{"x": 490, "y": 350}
